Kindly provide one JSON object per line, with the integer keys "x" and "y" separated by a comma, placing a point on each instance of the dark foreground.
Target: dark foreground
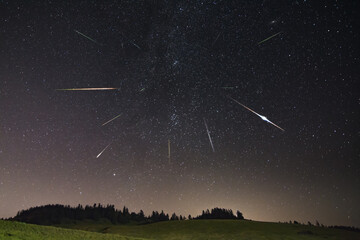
{"x": 189, "y": 229}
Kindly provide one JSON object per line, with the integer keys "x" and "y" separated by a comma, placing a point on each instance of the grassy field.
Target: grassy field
{"x": 218, "y": 229}
{"x": 181, "y": 230}
{"x": 23, "y": 231}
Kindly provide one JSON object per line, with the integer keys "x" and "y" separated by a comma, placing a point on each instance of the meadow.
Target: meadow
{"x": 174, "y": 230}
{"x": 218, "y": 229}
{"x": 23, "y": 231}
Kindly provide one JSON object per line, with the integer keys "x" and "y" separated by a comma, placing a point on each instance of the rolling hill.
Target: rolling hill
{"x": 217, "y": 229}
{"x": 173, "y": 230}
{"x": 15, "y": 231}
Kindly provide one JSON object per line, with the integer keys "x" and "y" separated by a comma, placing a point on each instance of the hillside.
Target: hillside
{"x": 173, "y": 230}
{"x": 16, "y": 231}
{"x": 218, "y": 229}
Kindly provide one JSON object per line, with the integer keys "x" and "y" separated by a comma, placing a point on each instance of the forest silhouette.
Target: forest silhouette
{"x": 57, "y": 214}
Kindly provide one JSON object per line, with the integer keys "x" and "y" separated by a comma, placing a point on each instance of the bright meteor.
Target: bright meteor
{"x": 266, "y": 39}
{"x": 208, "y": 132}
{"x": 103, "y": 151}
{"x": 85, "y": 89}
{"x": 89, "y": 38}
{"x": 111, "y": 120}
{"x": 261, "y": 116}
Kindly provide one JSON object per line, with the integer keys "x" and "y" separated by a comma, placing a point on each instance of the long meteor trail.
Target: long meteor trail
{"x": 86, "y": 89}
{"x": 266, "y": 39}
{"x": 87, "y": 37}
{"x": 103, "y": 151}
{"x": 261, "y": 116}
{"x": 111, "y": 120}
{"x": 208, "y": 133}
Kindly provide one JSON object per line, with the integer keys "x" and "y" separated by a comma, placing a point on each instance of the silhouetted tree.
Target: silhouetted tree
{"x": 174, "y": 217}
{"x": 219, "y": 213}
{"x": 155, "y": 216}
{"x": 141, "y": 214}
{"x": 163, "y": 217}
{"x": 239, "y": 215}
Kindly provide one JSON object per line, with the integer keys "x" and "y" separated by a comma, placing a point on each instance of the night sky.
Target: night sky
{"x": 177, "y": 65}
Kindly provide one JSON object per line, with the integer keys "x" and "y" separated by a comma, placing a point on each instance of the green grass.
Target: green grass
{"x": 218, "y": 229}
{"x": 23, "y": 231}
{"x": 181, "y": 230}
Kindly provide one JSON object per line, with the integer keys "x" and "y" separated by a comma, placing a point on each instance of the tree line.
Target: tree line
{"x": 220, "y": 213}
{"x": 317, "y": 224}
{"x": 57, "y": 214}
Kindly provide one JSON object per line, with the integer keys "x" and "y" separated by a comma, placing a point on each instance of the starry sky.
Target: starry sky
{"x": 177, "y": 65}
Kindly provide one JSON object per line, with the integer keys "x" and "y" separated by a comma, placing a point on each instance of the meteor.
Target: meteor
{"x": 86, "y": 89}
{"x": 111, "y": 119}
{"x": 89, "y": 38}
{"x": 216, "y": 39}
{"x": 208, "y": 132}
{"x": 103, "y": 151}
{"x": 130, "y": 41}
{"x": 137, "y": 46}
{"x": 268, "y": 38}
{"x": 261, "y": 116}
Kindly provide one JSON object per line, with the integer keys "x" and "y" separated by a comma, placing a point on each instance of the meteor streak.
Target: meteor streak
{"x": 137, "y": 46}
{"x": 216, "y": 39}
{"x": 130, "y": 41}
{"x": 89, "y": 38}
{"x": 208, "y": 132}
{"x": 261, "y": 116}
{"x": 103, "y": 151}
{"x": 268, "y": 38}
{"x": 111, "y": 119}
{"x": 85, "y": 89}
